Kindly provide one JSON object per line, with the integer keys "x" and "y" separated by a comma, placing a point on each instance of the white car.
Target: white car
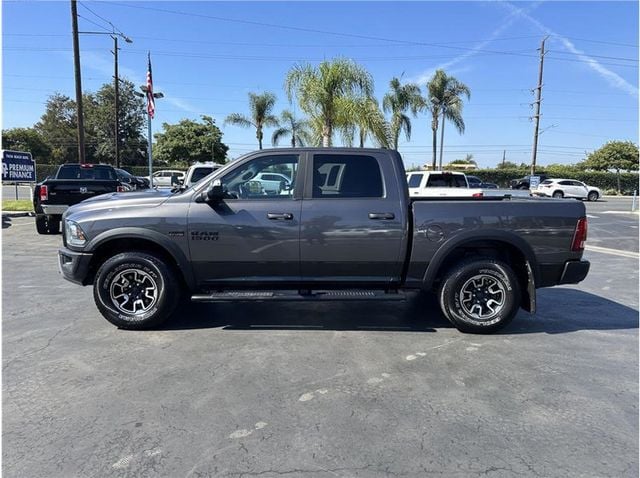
{"x": 567, "y": 188}
{"x": 272, "y": 183}
{"x": 167, "y": 178}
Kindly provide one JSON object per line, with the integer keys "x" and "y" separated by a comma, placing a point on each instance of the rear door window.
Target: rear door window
{"x": 344, "y": 176}
{"x": 446, "y": 181}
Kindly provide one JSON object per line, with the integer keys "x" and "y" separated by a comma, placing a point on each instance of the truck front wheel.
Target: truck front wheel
{"x": 135, "y": 290}
{"x": 480, "y": 296}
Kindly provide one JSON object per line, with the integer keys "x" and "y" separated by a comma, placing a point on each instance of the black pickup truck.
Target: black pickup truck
{"x": 71, "y": 184}
{"x": 343, "y": 228}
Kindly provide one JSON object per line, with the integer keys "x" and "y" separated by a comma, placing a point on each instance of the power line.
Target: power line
{"x": 603, "y": 42}
{"x": 94, "y": 23}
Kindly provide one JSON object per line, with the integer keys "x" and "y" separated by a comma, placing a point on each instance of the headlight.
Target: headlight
{"x": 74, "y": 234}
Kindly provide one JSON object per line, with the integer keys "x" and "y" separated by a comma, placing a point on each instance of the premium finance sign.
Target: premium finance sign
{"x": 18, "y": 167}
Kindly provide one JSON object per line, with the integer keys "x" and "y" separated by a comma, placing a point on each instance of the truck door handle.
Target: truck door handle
{"x": 280, "y": 216}
{"x": 381, "y": 215}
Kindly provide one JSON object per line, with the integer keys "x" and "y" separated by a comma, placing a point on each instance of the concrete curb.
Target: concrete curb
{"x": 18, "y": 214}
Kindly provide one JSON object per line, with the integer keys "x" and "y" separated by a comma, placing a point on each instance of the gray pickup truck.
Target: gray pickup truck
{"x": 343, "y": 228}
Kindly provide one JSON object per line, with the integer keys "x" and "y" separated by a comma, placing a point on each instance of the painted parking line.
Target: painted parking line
{"x": 613, "y": 252}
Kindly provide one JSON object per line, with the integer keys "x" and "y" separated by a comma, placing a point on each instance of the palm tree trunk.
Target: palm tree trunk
{"x": 259, "y": 136}
{"x": 362, "y": 135}
{"x": 442, "y": 139}
{"x": 434, "y": 130}
{"x": 326, "y": 136}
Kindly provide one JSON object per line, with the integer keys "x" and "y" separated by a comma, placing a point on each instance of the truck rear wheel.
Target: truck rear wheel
{"x": 135, "y": 290}
{"x": 480, "y": 295}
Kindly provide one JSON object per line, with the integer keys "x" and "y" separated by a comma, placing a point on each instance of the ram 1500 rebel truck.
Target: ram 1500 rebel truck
{"x": 71, "y": 184}
{"x": 345, "y": 228}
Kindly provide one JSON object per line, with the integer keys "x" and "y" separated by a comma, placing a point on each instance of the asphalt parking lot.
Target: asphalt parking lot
{"x": 379, "y": 389}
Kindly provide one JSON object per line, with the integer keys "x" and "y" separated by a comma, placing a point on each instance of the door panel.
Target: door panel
{"x": 347, "y": 234}
{"x": 252, "y": 236}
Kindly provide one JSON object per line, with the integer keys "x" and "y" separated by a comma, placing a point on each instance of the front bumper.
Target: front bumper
{"x": 74, "y": 266}
{"x": 571, "y": 272}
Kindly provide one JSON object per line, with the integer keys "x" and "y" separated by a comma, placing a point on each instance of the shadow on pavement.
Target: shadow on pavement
{"x": 6, "y": 222}
{"x": 560, "y": 310}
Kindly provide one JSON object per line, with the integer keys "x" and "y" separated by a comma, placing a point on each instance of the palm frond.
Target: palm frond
{"x": 238, "y": 119}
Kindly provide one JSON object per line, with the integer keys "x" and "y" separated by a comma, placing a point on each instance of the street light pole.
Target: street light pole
{"x": 116, "y": 86}
{"x": 144, "y": 90}
{"x": 76, "y": 67}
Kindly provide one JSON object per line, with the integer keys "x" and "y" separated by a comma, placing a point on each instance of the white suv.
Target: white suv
{"x": 198, "y": 171}
{"x": 567, "y": 188}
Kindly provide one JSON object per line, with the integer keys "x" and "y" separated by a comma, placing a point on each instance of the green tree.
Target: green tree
{"x": 614, "y": 155}
{"x": 99, "y": 118}
{"x": 57, "y": 127}
{"x": 507, "y": 165}
{"x": 444, "y": 101}
{"x": 190, "y": 141}
{"x": 400, "y": 99}
{"x": 294, "y": 127}
{"x": 26, "y": 139}
{"x": 326, "y": 93}
{"x": 261, "y": 107}
{"x": 468, "y": 159}
{"x": 362, "y": 116}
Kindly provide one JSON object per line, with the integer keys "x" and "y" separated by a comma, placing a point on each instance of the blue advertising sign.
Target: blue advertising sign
{"x": 18, "y": 167}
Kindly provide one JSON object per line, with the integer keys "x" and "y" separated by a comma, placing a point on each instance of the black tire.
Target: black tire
{"x": 142, "y": 275}
{"x": 41, "y": 224}
{"x": 493, "y": 281}
{"x": 593, "y": 196}
{"x": 558, "y": 194}
{"x": 47, "y": 224}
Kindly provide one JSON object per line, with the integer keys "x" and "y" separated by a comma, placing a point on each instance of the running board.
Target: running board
{"x": 316, "y": 295}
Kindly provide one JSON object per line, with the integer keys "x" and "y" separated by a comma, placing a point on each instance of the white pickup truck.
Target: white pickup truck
{"x": 452, "y": 184}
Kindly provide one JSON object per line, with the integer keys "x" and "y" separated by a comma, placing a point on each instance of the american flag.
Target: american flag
{"x": 151, "y": 104}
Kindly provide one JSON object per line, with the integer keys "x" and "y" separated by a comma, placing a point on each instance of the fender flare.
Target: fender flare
{"x": 149, "y": 235}
{"x": 472, "y": 236}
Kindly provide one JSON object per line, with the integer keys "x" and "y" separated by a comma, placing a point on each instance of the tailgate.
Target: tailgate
{"x": 73, "y": 191}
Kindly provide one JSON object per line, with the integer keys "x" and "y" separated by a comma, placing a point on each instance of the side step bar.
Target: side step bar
{"x": 306, "y": 295}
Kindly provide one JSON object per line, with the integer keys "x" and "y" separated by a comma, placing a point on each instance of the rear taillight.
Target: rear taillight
{"x": 44, "y": 193}
{"x": 580, "y": 236}
{"x": 120, "y": 189}
{"x": 477, "y": 195}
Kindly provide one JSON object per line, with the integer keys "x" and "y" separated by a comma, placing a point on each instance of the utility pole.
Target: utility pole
{"x": 76, "y": 66}
{"x": 537, "y": 105}
{"x": 504, "y": 156}
{"x": 116, "y": 87}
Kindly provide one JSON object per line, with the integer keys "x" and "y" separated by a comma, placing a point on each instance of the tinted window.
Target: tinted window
{"x": 200, "y": 173}
{"x": 565, "y": 183}
{"x": 445, "y": 180}
{"x": 473, "y": 180}
{"x": 74, "y": 171}
{"x": 546, "y": 181}
{"x": 415, "y": 180}
{"x": 343, "y": 176}
{"x": 247, "y": 182}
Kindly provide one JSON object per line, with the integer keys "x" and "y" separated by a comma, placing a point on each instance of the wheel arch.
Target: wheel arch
{"x": 116, "y": 241}
{"x": 502, "y": 245}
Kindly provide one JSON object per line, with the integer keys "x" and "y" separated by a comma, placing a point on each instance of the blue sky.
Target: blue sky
{"x": 208, "y": 55}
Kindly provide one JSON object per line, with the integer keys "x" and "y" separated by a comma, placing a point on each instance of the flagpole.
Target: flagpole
{"x": 149, "y": 140}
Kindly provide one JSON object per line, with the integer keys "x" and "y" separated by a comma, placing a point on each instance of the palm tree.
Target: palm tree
{"x": 397, "y": 101}
{"x": 324, "y": 91}
{"x": 363, "y": 116}
{"x": 297, "y": 129}
{"x": 261, "y": 107}
{"x": 444, "y": 99}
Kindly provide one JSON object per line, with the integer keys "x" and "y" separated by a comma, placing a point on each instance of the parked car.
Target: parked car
{"x": 476, "y": 182}
{"x": 569, "y": 188}
{"x": 198, "y": 171}
{"x": 71, "y": 184}
{"x": 273, "y": 183}
{"x": 167, "y": 178}
{"x": 131, "y": 182}
{"x": 524, "y": 183}
{"x": 348, "y": 231}
{"x": 451, "y": 184}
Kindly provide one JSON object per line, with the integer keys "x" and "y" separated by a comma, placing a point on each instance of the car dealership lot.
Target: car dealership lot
{"x": 340, "y": 389}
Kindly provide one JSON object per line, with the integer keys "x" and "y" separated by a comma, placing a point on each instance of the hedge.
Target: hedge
{"x": 600, "y": 179}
